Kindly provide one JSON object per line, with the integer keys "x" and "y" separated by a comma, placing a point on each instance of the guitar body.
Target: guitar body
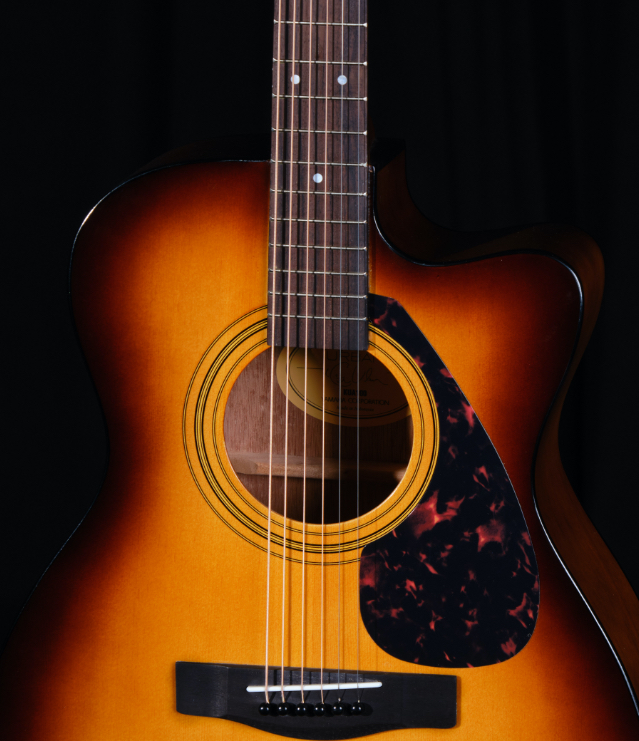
{"x": 163, "y": 267}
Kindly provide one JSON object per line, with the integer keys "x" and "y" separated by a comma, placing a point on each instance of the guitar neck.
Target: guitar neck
{"x": 318, "y": 245}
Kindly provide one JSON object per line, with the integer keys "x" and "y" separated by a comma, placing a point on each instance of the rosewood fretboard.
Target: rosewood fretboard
{"x": 318, "y": 254}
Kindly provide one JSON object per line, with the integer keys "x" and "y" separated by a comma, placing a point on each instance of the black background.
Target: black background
{"x": 513, "y": 112}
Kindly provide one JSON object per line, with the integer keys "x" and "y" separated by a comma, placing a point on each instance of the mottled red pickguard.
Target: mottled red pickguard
{"x": 456, "y": 584}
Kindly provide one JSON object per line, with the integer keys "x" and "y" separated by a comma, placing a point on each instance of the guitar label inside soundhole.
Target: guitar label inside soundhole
{"x": 334, "y": 382}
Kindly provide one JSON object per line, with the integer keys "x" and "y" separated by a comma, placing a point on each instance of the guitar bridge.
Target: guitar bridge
{"x": 391, "y": 701}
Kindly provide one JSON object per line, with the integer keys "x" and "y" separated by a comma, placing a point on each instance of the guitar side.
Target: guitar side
{"x": 162, "y": 267}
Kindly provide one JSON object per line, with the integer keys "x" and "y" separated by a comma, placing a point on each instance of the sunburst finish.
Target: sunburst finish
{"x": 153, "y": 576}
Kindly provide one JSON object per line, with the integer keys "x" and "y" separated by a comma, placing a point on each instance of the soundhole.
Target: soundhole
{"x": 383, "y": 433}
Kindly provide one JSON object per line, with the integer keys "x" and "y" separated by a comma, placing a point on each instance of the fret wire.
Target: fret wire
{"x": 322, "y": 318}
{"x": 316, "y": 295}
{"x": 315, "y": 61}
{"x": 317, "y": 221}
{"x": 322, "y": 23}
{"x": 319, "y": 131}
{"x": 320, "y": 97}
{"x": 322, "y": 192}
{"x": 330, "y": 164}
{"x": 314, "y": 247}
{"x": 312, "y": 272}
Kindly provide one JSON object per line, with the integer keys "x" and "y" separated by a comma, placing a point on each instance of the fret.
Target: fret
{"x": 324, "y": 45}
{"x": 331, "y": 164}
{"x": 316, "y": 249}
{"x": 346, "y": 177}
{"x": 337, "y": 113}
{"x": 313, "y": 272}
{"x": 331, "y": 298}
{"x": 319, "y": 131}
{"x": 321, "y": 193}
{"x": 321, "y": 23}
{"x": 293, "y": 226}
{"x": 317, "y": 221}
{"x": 294, "y": 230}
{"x": 342, "y": 248}
{"x": 312, "y": 316}
{"x": 321, "y": 334}
{"x": 317, "y": 150}
{"x": 279, "y": 298}
{"x": 330, "y": 195}
{"x": 318, "y": 261}
{"x": 283, "y": 297}
{"x": 317, "y": 61}
{"x": 291, "y": 230}
{"x": 320, "y": 247}
{"x": 331, "y": 221}
{"x": 342, "y": 307}
{"x": 328, "y": 210}
{"x": 318, "y": 97}
{"x": 313, "y": 295}
{"x": 323, "y": 81}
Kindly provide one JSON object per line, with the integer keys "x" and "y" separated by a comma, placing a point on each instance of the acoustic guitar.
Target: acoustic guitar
{"x": 335, "y": 505}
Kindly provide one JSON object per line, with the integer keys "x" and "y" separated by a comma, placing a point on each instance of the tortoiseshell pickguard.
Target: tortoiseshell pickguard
{"x": 456, "y": 584}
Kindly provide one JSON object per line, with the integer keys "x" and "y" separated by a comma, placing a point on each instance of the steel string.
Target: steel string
{"x": 358, "y": 398}
{"x": 272, "y": 380}
{"x": 288, "y": 346}
{"x": 306, "y": 338}
{"x": 325, "y": 279}
{"x": 339, "y": 389}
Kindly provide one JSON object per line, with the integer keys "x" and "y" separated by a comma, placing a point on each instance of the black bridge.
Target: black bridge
{"x": 402, "y": 700}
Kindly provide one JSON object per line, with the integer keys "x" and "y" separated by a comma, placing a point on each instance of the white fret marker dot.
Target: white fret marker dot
{"x": 295, "y": 79}
{"x": 317, "y": 177}
{"x": 342, "y": 80}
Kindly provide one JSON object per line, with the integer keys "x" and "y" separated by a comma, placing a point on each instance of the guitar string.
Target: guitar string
{"x": 272, "y": 380}
{"x": 307, "y": 317}
{"x": 339, "y": 389}
{"x": 288, "y": 350}
{"x": 357, "y": 397}
{"x": 324, "y": 323}
{"x": 309, "y": 126}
